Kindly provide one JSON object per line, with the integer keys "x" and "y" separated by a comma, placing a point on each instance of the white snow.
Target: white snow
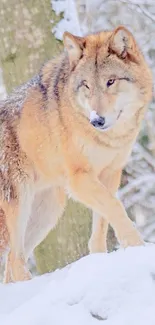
{"x": 70, "y": 22}
{"x": 110, "y": 289}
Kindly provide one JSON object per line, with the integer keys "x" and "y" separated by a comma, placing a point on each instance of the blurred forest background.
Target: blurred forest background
{"x": 31, "y": 33}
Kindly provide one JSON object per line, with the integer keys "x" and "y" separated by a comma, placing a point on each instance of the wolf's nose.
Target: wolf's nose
{"x": 98, "y": 122}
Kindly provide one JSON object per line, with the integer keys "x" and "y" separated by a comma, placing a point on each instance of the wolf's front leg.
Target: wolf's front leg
{"x": 17, "y": 213}
{"x": 98, "y": 239}
{"x": 89, "y": 191}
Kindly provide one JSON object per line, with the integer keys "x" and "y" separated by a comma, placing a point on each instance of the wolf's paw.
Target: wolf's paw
{"x": 132, "y": 239}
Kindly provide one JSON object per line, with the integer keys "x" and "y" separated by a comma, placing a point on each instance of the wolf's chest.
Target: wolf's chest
{"x": 102, "y": 157}
{"x": 99, "y": 157}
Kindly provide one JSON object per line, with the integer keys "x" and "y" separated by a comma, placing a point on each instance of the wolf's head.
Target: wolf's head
{"x": 109, "y": 78}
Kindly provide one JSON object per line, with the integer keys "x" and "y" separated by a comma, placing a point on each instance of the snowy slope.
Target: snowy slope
{"x": 110, "y": 289}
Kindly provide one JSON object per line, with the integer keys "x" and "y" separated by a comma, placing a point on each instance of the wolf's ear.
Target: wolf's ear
{"x": 122, "y": 43}
{"x": 74, "y": 46}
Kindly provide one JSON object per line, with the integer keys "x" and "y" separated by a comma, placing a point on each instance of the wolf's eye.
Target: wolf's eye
{"x": 84, "y": 83}
{"x": 110, "y": 82}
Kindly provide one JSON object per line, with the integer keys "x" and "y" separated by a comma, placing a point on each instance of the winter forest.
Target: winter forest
{"x": 31, "y": 32}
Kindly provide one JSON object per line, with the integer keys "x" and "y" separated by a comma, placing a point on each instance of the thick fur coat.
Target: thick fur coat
{"x": 69, "y": 131}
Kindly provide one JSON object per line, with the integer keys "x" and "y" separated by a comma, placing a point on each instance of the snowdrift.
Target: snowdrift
{"x": 109, "y": 289}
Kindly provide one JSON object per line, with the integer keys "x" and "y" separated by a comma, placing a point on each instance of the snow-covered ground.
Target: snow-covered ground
{"x": 110, "y": 289}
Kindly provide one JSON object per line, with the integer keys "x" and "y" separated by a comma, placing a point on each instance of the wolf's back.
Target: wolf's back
{"x": 14, "y": 102}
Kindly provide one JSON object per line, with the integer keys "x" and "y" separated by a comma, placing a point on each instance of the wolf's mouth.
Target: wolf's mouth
{"x": 104, "y": 128}
{"x": 119, "y": 114}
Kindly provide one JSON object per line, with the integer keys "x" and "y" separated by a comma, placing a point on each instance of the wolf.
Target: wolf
{"x": 69, "y": 132}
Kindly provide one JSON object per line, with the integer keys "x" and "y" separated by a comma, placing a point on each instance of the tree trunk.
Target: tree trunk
{"x": 67, "y": 242}
{"x": 26, "y": 38}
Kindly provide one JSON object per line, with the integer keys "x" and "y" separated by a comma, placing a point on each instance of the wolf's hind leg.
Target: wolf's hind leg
{"x": 47, "y": 207}
{"x": 17, "y": 213}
